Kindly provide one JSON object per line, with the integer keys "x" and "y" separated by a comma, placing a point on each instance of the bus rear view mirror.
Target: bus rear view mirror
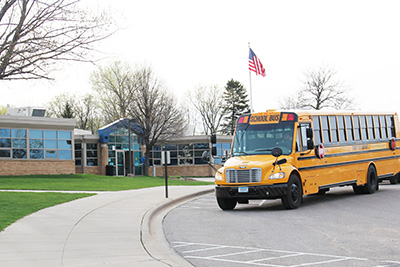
{"x": 205, "y": 156}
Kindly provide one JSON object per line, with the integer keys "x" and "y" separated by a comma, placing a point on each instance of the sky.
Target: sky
{"x": 199, "y": 43}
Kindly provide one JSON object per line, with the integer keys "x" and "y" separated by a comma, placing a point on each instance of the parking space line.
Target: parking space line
{"x": 203, "y": 249}
{"x": 274, "y": 258}
{"x": 262, "y": 261}
{"x": 233, "y": 261}
{"x": 236, "y": 253}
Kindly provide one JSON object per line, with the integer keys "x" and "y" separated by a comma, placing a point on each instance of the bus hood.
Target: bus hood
{"x": 264, "y": 162}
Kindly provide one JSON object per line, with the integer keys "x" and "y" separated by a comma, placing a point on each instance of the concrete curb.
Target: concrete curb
{"x": 152, "y": 235}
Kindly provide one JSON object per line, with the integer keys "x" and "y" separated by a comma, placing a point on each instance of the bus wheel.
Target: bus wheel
{"x": 294, "y": 195}
{"x": 226, "y": 203}
{"x": 394, "y": 179}
{"x": 372, "y": 181}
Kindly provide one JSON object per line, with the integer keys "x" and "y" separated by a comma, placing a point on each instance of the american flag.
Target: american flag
{"x": 255, "y": 64}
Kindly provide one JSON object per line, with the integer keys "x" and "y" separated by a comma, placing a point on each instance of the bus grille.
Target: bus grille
{"x": 243, "y": 176}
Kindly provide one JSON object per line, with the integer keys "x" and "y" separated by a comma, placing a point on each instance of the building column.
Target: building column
{"x": 103, "y": 158}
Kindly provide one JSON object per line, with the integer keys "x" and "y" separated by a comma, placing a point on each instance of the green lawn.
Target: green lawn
{"x": 16, "y": 205}
{"x": 86, "y": 182}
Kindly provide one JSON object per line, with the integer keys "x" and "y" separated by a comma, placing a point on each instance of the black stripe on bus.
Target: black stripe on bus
{"x": 345, "y": 163}
{"x": 345, "y": 154}
{"x": 388, "y": 175}
{"x": 338, "y": 184}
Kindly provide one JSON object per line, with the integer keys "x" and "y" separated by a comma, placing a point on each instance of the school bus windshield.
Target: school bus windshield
{"x": 260, "y": 139}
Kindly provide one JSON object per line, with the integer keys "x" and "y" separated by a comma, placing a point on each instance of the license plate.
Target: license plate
{"x": 243, "y": 189}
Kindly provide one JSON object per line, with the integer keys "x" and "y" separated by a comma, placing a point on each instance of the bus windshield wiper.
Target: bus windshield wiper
{"x": 263, "y": 149}
{"x": 241, "y": 152}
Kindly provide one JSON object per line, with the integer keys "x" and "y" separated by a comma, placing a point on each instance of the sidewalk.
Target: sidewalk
{"x": 109, "y": 229}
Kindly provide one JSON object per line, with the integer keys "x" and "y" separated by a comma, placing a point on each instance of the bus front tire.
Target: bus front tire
{"x": 226, "y": 203}
{"x": 294, "y": 194}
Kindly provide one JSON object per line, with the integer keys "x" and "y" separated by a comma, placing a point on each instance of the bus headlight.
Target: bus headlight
{"x": 218, "y": 176}
{"x": 278, "y": 175}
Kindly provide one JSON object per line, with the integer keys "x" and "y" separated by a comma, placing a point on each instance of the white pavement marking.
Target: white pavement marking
{"x": 263, "y": 261}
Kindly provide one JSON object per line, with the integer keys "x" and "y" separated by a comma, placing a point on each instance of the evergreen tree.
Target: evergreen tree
{"x": 68, "y": 111}
{"x": 236, "y": 104}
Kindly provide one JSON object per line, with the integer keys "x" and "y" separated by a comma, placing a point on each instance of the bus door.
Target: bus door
{"x": 305, "y": 159}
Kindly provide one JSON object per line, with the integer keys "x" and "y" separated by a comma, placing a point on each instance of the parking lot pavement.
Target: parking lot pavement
{"x": 108, "y": 229}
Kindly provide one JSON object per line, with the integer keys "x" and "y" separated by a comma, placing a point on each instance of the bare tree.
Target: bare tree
{"x": 34, "y": 35}
{"x": 154, "y": 111}
{"x": 208, "y": 100}
{"x": 56, "y": 107}
{"x": 115, "y": 86}
{"x": 87, "y": 114}
{"x": 320, "y": 91}
{"x": 84, "y": 109}
{"x": 139, "y": 96}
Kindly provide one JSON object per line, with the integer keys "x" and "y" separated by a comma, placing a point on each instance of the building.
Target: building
{"x": 41, "y": 145}
{"x": 36, "y": 145}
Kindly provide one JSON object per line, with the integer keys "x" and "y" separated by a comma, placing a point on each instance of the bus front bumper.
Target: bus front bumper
{"x": 253, "y": 192}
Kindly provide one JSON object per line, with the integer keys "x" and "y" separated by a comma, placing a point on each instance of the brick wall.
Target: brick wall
{"x": 102, "y": 161}
{"x": 27, "y": 167}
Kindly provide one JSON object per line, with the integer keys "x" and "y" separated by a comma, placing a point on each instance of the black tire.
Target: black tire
{"x": 294, "y": 193}
{"x": 357, "y": 189}
{"x": 226, "y": 203}
{"x": 372, "y": 181}
{"x": 394, "y": 179}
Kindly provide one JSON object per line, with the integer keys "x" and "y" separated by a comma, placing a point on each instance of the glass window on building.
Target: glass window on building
{"x": 78, "y": 154}
{"x": 199, "y": 148}
{"x": 64, "y": 145}
{"x": 187, "y": 154}
{"x": 35, "y": 144}
{"x": 91, "y": 155}
{"x": 5, "y": 143}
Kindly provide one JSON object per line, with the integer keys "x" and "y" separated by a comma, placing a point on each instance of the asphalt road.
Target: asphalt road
{"x": 336, "y": 229}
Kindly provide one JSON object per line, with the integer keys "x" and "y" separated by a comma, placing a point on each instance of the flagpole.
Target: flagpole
{"x": 251, "y": 91}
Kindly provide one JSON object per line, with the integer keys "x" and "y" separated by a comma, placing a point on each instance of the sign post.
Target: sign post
{"x": 166, "y": 159}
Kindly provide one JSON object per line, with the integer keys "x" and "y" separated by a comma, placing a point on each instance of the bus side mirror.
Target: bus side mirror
{"x": 213, "y": 139}
{"x": 214, "y": 151}
{"x": 309, "y": 133}
{"x": 310, "y": 144}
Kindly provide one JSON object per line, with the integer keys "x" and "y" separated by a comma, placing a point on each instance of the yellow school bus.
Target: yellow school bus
{"x": 287, "y": 155}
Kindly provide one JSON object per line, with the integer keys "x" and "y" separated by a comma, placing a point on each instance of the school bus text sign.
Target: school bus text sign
{"x": 262, "y": 118}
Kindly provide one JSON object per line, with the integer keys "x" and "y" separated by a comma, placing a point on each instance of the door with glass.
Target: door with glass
{"x": 120, "y": 162}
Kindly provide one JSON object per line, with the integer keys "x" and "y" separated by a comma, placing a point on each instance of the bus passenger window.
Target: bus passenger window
{"x": 349, "y": 128}
{"x": 370, "y": 126}
{"x": 383, "y": 127}
{"x": 356, "y": 125}
{"x": 333, "y": 126}
{"x": 363, "y": 128}
{"x": 342, "y": 130}
{"x": 390, "y": 125}
{"x": 377, "y": 127}
{"x": 325, "y": 130}
{"x": 317, "y": 130}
